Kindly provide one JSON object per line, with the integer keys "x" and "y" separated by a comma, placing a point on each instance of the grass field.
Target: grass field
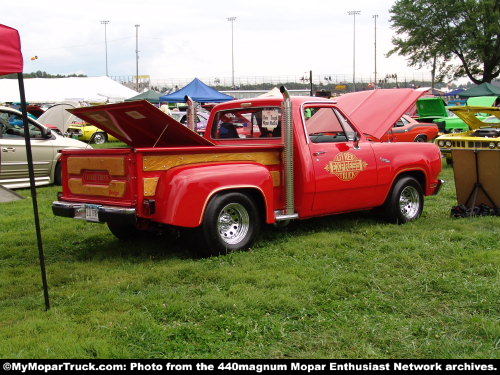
{"x": 345, "y": 286}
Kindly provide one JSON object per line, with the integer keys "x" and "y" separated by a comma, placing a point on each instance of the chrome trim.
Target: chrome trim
{"x": 288, "y": 159}
{"x": 105, "y": 209}
{"x": 286, "y": 217}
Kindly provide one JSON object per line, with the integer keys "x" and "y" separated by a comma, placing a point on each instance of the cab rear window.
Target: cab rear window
{"x": 264, "y": 122}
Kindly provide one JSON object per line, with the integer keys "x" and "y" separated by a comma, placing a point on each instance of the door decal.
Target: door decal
{"x": 346, "y": 166}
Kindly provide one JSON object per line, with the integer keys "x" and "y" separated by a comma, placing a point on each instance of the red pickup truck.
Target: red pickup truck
{"x": 263, "y": 160}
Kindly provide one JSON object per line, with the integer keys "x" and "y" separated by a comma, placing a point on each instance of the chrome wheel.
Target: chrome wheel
{"x": 409, "y": 202}
{"x": 233, "y": 223}
{"x": 99, "y": 138}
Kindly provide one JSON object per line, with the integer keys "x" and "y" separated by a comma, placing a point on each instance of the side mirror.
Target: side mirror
{"x": 47, "y": 133}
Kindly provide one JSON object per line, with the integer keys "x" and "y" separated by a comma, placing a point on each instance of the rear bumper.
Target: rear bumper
{"x": 124, "y": 215}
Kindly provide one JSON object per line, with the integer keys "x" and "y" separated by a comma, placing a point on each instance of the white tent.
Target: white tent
{"x": 274, "y": 92}
{"x": 57, "y": 115}
{"x": 55, "y": 90}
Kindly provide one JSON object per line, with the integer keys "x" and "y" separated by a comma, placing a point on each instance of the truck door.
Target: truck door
{"x": 345, "y": 169}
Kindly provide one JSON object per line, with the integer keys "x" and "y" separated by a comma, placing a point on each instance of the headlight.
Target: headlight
{"x": 448, "y": 143}
{"x": 441, "y": 143}
{"x": 492, "y": 145}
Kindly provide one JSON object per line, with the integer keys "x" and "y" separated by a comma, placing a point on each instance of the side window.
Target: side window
{"x": 11, "y": 126}
{"x": 350, "y": 132}
{"x": 248, "y": 123}
{"x": 401, "y": 122}
{"x": 325, "y": 124}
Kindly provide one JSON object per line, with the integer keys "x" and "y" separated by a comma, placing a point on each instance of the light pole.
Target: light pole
{"x": 105, "y": 44}
{"x": 232, "y": 19}
{"x": 375, "y": 16}
{"x": 137, "y": 57}
{"x": 353, "y": 13}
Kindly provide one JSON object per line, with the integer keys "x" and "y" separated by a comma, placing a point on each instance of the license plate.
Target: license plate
{"x": 92, "y": 212}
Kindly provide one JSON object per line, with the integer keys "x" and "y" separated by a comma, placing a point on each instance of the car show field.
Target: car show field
{"x": 345, "y": 286}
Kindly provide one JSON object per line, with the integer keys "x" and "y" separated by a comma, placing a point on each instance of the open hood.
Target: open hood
{"x": 140, "y": 124}
{"x": 468, "y": 115}
{"x": 374, "y": 112}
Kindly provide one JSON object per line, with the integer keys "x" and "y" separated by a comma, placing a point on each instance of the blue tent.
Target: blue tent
{"x": 454, "y": 92}
{"x": 197, "y": 91}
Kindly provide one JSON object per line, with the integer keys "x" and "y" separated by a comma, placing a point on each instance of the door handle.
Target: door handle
{"x": 7, "y": 149}
{"x": 317, "y": 153}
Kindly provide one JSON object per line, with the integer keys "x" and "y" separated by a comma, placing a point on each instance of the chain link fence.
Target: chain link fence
{"x": 332, "y": 82}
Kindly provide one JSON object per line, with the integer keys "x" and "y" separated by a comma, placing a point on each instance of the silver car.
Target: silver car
{"x": 46, "y": 146}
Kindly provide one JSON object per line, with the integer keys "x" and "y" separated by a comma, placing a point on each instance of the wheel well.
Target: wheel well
{"x": 256, "y": 195}
{"x": 417, "y": 175}
{"x": 101, "y": 132}
{"x": 421, "y": 136}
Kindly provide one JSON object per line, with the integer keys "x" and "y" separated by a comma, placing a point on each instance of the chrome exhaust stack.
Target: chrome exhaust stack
{"x": 288, "y": 166}
{"x": 191, "y": 113}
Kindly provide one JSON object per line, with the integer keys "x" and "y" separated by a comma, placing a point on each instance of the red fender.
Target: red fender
{"x": 184, "y": 191}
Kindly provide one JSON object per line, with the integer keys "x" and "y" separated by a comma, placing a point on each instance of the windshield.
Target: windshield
{"x": 492, "y": 120}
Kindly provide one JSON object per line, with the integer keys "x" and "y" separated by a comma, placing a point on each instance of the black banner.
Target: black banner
{"x": 264, "y": 366}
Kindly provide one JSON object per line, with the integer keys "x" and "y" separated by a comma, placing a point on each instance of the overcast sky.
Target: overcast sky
{"x": 188, "y": 38}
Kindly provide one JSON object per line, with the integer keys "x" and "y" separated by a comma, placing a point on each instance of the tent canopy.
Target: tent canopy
{"x": 151, "y": 96}
{"x": 11, "y": 60}
{"x": 197, "y": 91}
{"x": 454, "y": 92}
{"x": 56, "y": 90}
{"x": 484, "y": 89}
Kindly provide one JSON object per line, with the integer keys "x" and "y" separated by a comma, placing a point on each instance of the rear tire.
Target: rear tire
{"x": 99, "y": 138}
{"x": 231, "y": 222}
{"x": 58, "y": 174}
{"x": 421, "y": 138}
{"x": 406, "y": 201}
{"x": 125, "y": 232}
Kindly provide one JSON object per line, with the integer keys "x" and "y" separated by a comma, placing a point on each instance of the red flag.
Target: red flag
{"x": 11, "y": 58}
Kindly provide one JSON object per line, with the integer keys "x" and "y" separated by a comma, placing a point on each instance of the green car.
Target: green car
{"x": 435, "y": 110}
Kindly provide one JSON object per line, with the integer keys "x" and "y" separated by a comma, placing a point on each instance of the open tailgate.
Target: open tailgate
{"x": 140, "y": 124}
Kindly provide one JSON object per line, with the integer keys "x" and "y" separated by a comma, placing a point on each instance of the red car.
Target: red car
{"x": 363, "y": 106}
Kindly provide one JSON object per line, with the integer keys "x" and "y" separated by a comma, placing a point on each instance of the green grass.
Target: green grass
{"x": 346, "y": 286}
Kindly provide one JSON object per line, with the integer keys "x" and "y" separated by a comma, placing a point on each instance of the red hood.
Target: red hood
{"x": 140, "y": 124}
{"x": 374, "y": 112}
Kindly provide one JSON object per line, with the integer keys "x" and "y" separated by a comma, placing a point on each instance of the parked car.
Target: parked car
{"x": 435, "y": 110}
{"x": 485, "y": 133}
{"x": 89, "y": 133}
{"x": 201, "y": 120}
{"x": 407, "y": 129}
{"x": 57, "y": 116}
{"x": 46, "y": 146}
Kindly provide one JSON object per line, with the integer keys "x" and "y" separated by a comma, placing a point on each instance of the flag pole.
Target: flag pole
{"x": 33, "y": 190}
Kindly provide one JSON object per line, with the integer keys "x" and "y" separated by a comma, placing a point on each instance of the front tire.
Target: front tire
{"x": 99, "y": 138}
{"x": 406, "y": 201}
{"x": 231, "y": 222}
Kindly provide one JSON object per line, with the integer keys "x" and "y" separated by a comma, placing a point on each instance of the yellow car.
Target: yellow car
{"x": 484, "y": 133}
{"x": 90, "y": 134}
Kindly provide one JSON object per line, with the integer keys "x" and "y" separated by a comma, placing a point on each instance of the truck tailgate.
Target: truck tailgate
{"x": 99, "y": 176}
